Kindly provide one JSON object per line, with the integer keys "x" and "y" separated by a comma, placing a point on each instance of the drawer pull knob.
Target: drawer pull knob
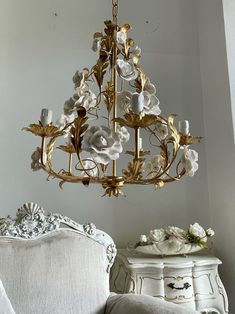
{"x": 185, "y": 287}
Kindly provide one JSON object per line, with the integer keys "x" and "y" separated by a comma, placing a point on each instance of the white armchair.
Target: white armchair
{"x": 50, "y": 264}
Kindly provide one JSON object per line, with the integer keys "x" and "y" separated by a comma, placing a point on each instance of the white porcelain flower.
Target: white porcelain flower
{"x": 161, "y": 131}
{"x": 147, "y": 103}
{"x": 87, "y": 100}
{"x": 36, "y": 157}
{"x": 121, "y": 37}
{"x": 124, "y": 101}
{"x": 126, "y": 70}
{"x": 63, "y": 121}
{"x": 170, "y": 246}
{"x": 151, "y": 104}
{"x": 157, "y": 235}
{"x": 137, "y": 51}
{"x": 96, "y": 44}
{"x": 149, "y": 87}
{"x": 69, "y": 106}
{"x": 176, "y": 232}
{"x": 154, "y": 165}
{"x": 210, "y": 232}
{"x": 90, "y": 167}
{"x": 189, "y": 161}
{"x": 123, "y": 134}
{"x": 79, "y": 82}
{"x": 143, "y": 238}
{"x": 197, "y": 231}
{"x": 102, "y": 144}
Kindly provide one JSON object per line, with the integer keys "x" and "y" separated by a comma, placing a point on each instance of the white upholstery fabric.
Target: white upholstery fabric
{"x": 5, "y": 304}
{"x": 142, "y": 304}
{"x": 62, "y": 273}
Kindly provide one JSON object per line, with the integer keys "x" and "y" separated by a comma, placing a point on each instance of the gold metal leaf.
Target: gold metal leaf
{"x": 188, "y": 139}
{"x": 113, "y": 191}
{"x": 142, "y": 152}
{"x": 126, "y": 27}
{"x": 175, "y": 140}
{"x": 109, "y": 96}
{"x": 128, "y": 44}
{"x": 99, "y": 69}
{"x": 164, "y": 154}
{"x": 133, "y": 120}
{"x": 138, "y": 86}
{"x": 77, "y": 131}
{"x": 136, "y": 59}
{"x": 47, "y": 131}
{"x": 160, "y": 184}
{"x": 67, "y": 148}
{"x": 110, "y": 27}
{"x": 97, "y": 35}
{"x": 104, "y": 167}
{"x": 135, "y": 169}
{"x": 61, "y": 183}
{"x": 86, "y": 181}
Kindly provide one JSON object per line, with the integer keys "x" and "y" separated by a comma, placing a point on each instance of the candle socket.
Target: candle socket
{"x": 184, "y": 127}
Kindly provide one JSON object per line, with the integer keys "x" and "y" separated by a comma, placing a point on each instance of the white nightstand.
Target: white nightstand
{"x": 192, "y": 281}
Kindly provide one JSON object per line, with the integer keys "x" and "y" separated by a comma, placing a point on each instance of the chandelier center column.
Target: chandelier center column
{"x": 114, "y": 76}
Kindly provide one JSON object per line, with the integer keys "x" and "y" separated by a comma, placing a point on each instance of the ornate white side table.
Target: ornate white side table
{"x": 191, "y": 281}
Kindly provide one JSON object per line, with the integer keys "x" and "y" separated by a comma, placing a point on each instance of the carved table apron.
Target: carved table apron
{"x": 191, "y": 281}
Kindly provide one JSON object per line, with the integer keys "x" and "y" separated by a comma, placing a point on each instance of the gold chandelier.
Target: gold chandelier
{"x": 128, "y": 98}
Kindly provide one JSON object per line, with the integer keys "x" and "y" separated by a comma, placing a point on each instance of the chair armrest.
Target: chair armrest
{"x": 142, "y": 304}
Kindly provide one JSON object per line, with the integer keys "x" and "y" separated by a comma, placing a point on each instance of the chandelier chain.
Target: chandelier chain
{"x": 115, "y": 10}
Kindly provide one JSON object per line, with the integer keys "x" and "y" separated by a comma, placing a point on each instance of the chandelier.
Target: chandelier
{"x": 115, "y": 103}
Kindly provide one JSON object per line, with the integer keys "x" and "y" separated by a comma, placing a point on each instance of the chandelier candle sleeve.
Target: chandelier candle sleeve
{"x": 46, "y": 117}
{"x": 137, "y": 103}
{"x": 184, "y": 127}
{"x": 95, "y": 127}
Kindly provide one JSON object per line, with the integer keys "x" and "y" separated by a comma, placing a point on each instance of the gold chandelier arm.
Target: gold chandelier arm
{"x": 69, "y": 178}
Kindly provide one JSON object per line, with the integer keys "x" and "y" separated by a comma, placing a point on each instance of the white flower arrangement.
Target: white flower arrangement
{"x": 126, "y": 70}
{"x": 173, "y": 240}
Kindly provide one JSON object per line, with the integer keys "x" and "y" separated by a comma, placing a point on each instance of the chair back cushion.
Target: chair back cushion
{"x": 61, "y": 273}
